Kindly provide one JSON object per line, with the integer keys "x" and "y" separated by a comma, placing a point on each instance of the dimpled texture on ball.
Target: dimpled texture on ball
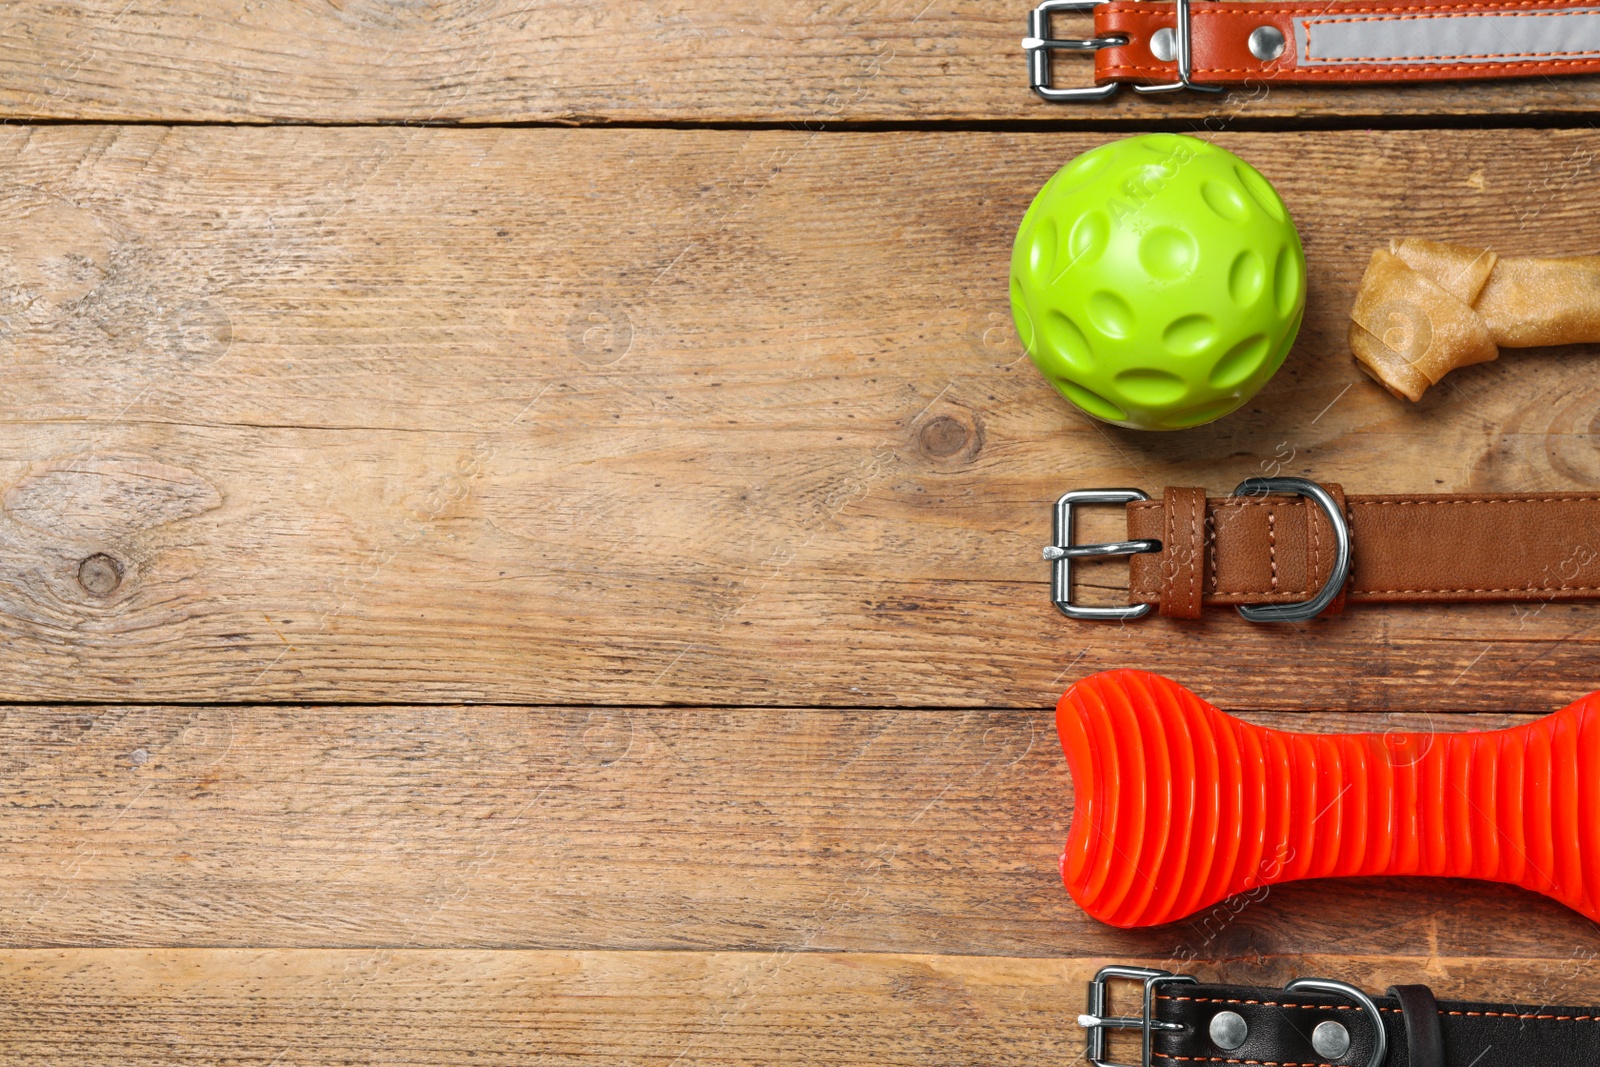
{"x": 1158, "y": 281}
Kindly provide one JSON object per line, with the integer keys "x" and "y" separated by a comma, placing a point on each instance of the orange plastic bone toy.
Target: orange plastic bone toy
{"x": 1180, "y": 806}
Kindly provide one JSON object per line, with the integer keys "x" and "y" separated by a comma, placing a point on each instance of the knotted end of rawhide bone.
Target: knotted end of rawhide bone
{"x": 1426, "y": 308}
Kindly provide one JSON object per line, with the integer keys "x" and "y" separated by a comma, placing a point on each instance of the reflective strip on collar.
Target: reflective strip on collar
{"x": 1417, "y": 36}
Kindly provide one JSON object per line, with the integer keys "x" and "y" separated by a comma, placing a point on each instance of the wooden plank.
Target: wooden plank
{"x": 395, "y": 1006}
{"x": 652, "y": 417}
{"x": 773, "y": 830}
{"x": 495, "y": 61}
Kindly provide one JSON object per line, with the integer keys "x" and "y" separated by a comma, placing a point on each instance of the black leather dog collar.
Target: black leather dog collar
{"x": 1318, "y": 1023}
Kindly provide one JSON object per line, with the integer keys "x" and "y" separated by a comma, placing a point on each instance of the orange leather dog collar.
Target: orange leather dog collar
{"x": 1285, "y": 548}
{"x": 1217, "y": 43}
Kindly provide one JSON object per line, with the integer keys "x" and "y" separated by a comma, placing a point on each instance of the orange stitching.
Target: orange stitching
{"x": 1312, "y": 11}
{"x": 1436, "y": 15}
{"x": 1340, "y": 70}
{"x": 1359, "y": 593}
{"x": 1483, "y": 55}
{"x": 1337, "y": 69}
{"x": 1525, "y": 1015}
{"x": 1545, "y": 7}
{"x": 1392, "y": 1011}
{"x": 1163, "y": 70}
{"x": 1271, "y": 1003}
{"x": 1220, "y": 1059}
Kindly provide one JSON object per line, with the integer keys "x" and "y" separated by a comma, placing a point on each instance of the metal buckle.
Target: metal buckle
{"x": 1380, "y": 1041}
{"x": 1097, "y": 1023}
{"x": 1185, "y": 39}
{"x": 1063, "y": 552}
{"x": 1304, "y": 609}
{"x": 1039, "y": 44}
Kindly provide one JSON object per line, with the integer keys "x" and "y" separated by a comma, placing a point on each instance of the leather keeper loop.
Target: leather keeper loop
{"x": 1424, "y": 1036}
{"x": 1183, "y": 551}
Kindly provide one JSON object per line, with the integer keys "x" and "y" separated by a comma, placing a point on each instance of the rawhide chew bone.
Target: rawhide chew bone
{"x": 1180, "y": 806}
{"x": 1426, "y": 308}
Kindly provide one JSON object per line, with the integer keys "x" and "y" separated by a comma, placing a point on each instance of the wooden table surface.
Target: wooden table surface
{"x": 521, "y": 522}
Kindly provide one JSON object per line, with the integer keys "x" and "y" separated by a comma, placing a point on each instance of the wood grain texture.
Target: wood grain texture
{"x": 645, "y": 417}
{"x": 696, "y": 61}
{"x": 690, "y": 829}
{"x": 602, "y": 425}
{"x": 465, "y": 1007}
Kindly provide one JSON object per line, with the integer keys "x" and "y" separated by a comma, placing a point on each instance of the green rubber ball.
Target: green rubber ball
{"x": 1158, "y": 281}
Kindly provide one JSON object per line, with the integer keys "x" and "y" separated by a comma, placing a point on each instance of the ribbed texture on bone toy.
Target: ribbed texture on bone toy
{"x": 1179, "y": 806}
{"x": 1426, "y": 308}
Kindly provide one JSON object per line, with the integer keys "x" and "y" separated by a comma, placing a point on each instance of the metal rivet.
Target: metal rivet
{"x": 1228, "y": 1030}
{"x": 1164, "y": 44}
{"x": 1330, "y": 1039}
{"x": 1266, "y": 42}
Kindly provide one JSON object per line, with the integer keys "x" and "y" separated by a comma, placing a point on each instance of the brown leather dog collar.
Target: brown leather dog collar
{"x": 1157, "y": 46}
{"x": 1283, "y": 549}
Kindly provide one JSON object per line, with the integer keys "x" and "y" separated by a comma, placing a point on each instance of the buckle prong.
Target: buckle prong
{"x": 1073, "y": 44}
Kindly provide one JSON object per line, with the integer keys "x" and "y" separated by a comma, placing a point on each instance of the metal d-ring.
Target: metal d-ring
{"x": 1301, "y": 610}
{"x": 1380, "y": 1040}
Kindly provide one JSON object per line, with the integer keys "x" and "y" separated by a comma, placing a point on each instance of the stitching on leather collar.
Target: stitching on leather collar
{"x": 1272, "y": 548}
{"x": 1270, "y": 1003}
{"x": 1354, "y": 1007}
{"x": 1532, "y": 7}
{"x": 1339, "y": 70}
{"x": 1224, "y": 1059}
